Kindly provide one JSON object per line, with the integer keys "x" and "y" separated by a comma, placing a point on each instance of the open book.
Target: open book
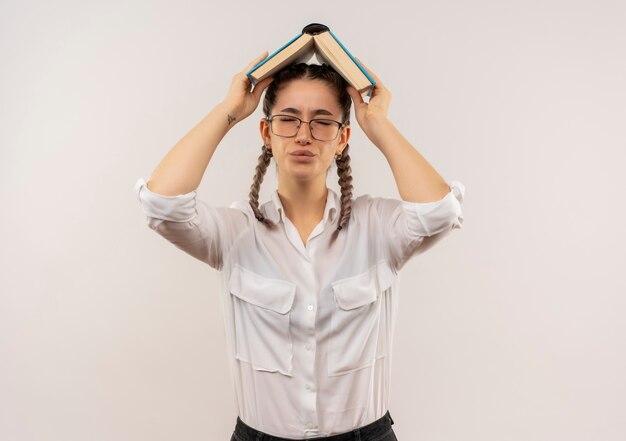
{"x": 316, "y": 39}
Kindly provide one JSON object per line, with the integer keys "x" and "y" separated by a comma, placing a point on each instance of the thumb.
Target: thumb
{"x": 356, "y": 96}
{"x": 261, "y": 86}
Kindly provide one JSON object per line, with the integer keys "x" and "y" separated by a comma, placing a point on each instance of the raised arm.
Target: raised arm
{"x": 416, "y": 179}
{"x": 182, "y": 169}
{"x": 430, "y": 207}
{"x": 168, "y": 198}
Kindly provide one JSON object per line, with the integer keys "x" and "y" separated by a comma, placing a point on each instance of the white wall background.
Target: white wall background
{"x": 510, "y": 329}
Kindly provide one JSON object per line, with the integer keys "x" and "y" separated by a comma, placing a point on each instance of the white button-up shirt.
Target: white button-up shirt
{"x": 309, "y": 327}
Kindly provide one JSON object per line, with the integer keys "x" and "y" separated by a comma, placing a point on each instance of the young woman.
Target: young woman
{"x": 310, "y": 292}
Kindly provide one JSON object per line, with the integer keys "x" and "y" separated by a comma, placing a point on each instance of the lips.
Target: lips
{"x": 302, "y": 153}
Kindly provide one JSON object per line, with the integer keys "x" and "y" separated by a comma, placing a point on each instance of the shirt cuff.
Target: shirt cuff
{"x": 180, "y": 208}
{"x": 429, "y": 218}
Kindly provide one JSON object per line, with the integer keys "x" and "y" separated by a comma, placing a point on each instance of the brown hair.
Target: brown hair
{"x": 327, "y": 74}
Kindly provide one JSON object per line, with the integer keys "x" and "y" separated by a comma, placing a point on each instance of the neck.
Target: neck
{"x": 303, "y": 201}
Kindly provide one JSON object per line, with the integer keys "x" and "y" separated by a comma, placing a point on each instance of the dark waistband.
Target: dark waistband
{"x": 373, "y": 430}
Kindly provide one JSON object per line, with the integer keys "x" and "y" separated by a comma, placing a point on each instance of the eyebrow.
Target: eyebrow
{"x": 315, "y": 112}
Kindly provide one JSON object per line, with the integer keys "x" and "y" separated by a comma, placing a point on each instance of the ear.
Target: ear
{"x": 344, "y": 137}
{"x": 264, "y": 129}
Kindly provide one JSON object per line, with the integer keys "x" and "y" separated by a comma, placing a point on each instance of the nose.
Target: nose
{"x": 306, "y": 132}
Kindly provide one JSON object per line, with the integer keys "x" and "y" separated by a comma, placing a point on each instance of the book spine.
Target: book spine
{"x": 261, "y": 63}
{"x": 369, "y": 77}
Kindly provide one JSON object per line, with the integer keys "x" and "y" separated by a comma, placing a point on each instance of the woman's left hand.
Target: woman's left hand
{"x": 367, "y": 114}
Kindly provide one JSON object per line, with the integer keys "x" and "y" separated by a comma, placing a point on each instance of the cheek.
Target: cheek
{"x": 329, "y": 164}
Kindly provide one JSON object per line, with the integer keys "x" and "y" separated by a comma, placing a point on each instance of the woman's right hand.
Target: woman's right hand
{"x": 241, "y": 100}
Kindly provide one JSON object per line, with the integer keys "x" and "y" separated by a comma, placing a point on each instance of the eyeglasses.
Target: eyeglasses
{"x": 287, "y": 126}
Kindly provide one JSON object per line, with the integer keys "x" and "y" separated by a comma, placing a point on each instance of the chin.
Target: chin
{"x": 299, "y": 176}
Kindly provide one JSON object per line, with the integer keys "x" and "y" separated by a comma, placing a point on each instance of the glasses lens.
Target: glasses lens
{"x": 285, "y": 125}
{"x": 324, "y": 130}
{"x": 321, "y": 129}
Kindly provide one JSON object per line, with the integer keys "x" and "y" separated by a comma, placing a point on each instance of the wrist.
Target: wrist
{"x": 377, "y": 127}
{"x": 228, "y": 114}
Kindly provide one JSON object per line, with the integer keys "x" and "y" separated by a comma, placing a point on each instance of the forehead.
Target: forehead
{"x": 307, "y": 97}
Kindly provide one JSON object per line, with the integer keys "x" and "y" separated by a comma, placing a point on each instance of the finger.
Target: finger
{"x": 261, "y": 86}
{"x": 356, "y": 96}
{"x": 369, "y": 71}
{"x": 256, "y": 60}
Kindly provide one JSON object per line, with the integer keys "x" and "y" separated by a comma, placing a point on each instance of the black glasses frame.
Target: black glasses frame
{"x": 339, "y": 123}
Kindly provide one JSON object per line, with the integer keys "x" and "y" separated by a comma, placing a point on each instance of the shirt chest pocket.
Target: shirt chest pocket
{"x": 359, "y": 332}
{"x": 261, "y": 313}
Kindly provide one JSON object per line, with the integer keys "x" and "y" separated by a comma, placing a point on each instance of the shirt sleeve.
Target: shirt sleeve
{"x": 410, "y": 228}
{"x": 199, "y": 229}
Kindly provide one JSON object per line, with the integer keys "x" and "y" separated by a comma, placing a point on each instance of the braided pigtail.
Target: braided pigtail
{"x": 261, "y": 168}
{"x": 345, "y": 182}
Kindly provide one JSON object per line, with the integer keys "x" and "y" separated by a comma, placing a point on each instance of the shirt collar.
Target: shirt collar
{"x": 276, "y": 210}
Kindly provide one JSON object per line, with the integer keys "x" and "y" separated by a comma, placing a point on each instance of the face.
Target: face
{"x": 305, "y": 99}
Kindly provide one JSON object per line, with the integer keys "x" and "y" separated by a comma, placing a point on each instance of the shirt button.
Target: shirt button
{"x": 308, "y": 347}
{"x": 310, "y": 307}
{"x": 308, "y": 387}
